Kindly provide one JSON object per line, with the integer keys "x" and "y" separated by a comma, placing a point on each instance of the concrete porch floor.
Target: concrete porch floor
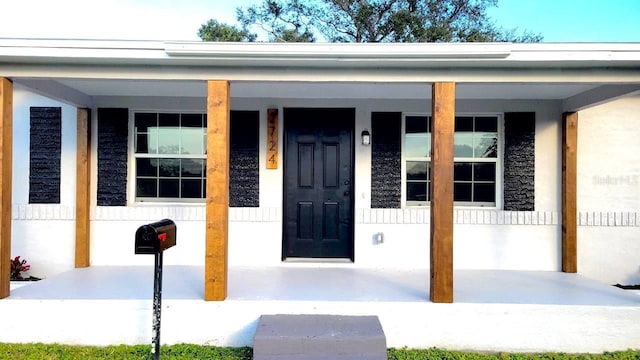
{"x": 494, "y": 310}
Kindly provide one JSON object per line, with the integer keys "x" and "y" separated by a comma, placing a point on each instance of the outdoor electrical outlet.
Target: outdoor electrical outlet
{"x": 379, "y": 238}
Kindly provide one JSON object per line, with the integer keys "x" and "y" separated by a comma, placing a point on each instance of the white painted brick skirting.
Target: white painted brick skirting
{"x": 467, "y": 217}
{"x": 148, "y": 213}
{"x": 609, "y": 218}
{"x": 181, "y": 213}
{"x": 42, "y": 212}
{"x": 118, "y": 213}
{"x": 363, "y": 216}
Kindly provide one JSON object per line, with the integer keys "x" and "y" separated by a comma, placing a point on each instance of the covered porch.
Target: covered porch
{"x": 495, "y": 310}
{"x": 439, "y": 80}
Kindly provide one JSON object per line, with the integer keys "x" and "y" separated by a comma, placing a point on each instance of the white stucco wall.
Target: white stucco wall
{"x": 113, "y": 242}
{"x": 44, "y": 235}
{"x": 609, "y": 191}
{"x": 528, "y": 241}
{"x": 484, "y": 238}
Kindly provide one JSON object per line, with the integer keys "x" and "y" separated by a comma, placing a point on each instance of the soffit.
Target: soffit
{"x": 326, "y": 90}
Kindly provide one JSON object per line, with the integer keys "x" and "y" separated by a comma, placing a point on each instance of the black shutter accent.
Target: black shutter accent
{"x": 519, "y": 161}
{"x": 244, "y": 173}
{"x": 44, "y": 155}
{"x": 113, "y": 140}
{"x": 386, "y": 159}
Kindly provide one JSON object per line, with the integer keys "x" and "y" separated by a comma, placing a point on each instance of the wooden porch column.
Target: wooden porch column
{"x": 6, "y": 151}
{"x": 83, "y": 176}
{"x": 215, "y": 273}
{"x": 443, "y": 120}
{"x": 569, "y": 192}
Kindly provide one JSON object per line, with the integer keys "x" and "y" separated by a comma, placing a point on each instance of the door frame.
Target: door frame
{"x": 285, "y": 128}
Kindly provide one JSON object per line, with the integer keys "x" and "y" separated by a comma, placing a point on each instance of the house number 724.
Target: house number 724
{"x": 272, "y": 138}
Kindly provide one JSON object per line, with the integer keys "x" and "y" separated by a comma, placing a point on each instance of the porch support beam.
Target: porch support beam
{"x": 6, "y": 151}
{"x": 569, "y": 192}
{"x": 83, "y": 176}
{"x": 217, "y": 208}
{"x": 443, "y": 119}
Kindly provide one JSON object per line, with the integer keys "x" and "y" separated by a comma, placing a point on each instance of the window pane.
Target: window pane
{"x": 484, "y": 192}
{"x": 462, "y": 171}
{"x": 144, "y": 121}
{"x": 146, "y": 188}
{"x": 474, "y": 137}
{"x": 168, "y": 188}
{"x": 169, "y": 167}
{"x": 191, "y": 188}
{"x": 464, "y": 123}
{"x": 170, "y": 133}
{"x": 416, "y": 124}
{"x": 484, "y": 172}
{"x": 486, "y": 145}
{"x": 417, "y": 191}
{"x": 152, "y": 141}
{"x": 417, "y": 170}
{"x": 191, "y": 120}
{"x": 204, "y": 142}
{"x": 146, "y": 167}
{"x": 486, "y": 124}
{"x": 169, "y": 140}
{"x": 463, "y": 144}
{"x": 142, "y": 145}
{"x": 169, "y": 120}
{"x": 192, "y": 168}
{"x": 461, "y": 192}
{"x": 191, "y": 141}
{"x": 417, "y": 145}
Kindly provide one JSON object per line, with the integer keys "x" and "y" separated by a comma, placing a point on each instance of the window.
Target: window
{"x": 170, "y": 156}
{"x": 475, "y": 160}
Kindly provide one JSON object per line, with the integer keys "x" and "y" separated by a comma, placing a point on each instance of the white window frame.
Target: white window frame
{"x": 465, "y": 205}
{"x": 132, "y": 177}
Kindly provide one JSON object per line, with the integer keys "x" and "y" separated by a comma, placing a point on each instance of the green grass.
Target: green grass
{"x": 186, "y": 351}
{"x": 142, "y": 352}
{"x": 411, "y": 354}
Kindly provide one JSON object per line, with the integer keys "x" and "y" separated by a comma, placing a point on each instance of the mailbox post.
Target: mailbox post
{"x": 153, "y": 239}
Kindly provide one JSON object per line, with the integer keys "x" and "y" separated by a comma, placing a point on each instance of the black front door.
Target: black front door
{"x": 318, "y": 183}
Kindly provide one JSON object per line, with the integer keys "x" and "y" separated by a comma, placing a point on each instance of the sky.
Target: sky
{"x": 556, "y": 20}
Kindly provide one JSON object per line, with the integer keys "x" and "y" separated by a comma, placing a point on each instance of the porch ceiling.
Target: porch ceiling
{"x": 324, "y": 90}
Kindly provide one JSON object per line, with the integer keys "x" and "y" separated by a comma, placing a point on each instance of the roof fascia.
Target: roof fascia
{"x": 340, "y": 51}
{"x": 426, "y": 75}
{"x": 380, "y": 55}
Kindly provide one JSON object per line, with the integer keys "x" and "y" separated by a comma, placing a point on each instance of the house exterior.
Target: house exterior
{"x": 440, "y": 156}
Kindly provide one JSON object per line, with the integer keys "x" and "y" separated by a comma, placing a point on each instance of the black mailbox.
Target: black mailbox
{"x": 155, "y": 237}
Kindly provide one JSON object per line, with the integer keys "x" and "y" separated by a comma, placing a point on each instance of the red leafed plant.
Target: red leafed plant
{"x": 18, "y": 267}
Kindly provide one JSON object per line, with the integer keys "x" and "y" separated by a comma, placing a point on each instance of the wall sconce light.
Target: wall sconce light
{"x": 366, "y": 137}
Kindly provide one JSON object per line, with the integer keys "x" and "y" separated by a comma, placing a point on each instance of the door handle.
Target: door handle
{"x": 346, "y": 182}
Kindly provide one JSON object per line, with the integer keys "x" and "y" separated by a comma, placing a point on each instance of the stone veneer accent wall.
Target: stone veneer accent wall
{"x": 519, "y": 161}
{"x": 386, "y": 159}
{"x": 44, "y": 155}
{"x": 113, "y": 140}
{"x": 244, "y": 174}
